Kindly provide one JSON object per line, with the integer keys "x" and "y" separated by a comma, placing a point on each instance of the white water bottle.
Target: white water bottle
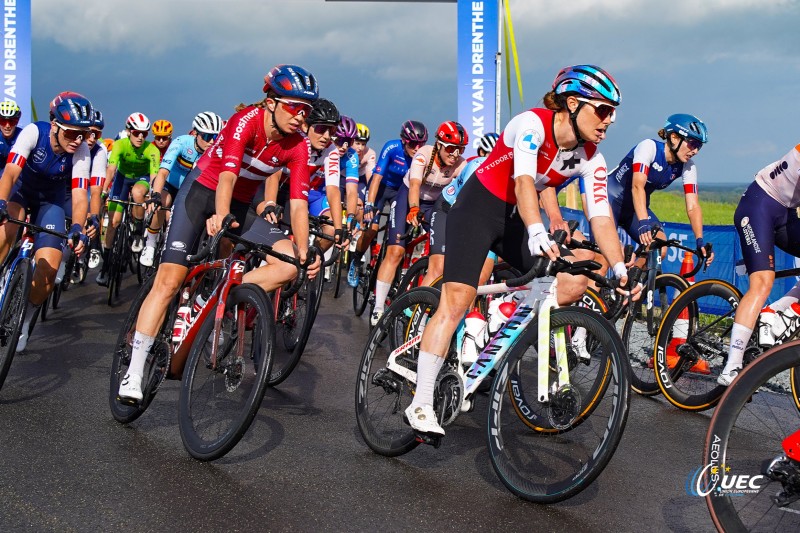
{"x": 473, "y": 342}
{"x": 199, "y": 303}
{"x": 181, "y": 326}
{"x": 499, "y": 313}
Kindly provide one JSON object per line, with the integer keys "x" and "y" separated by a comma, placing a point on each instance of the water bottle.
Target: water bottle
{"x": 474, "y": 326}
{"x": 181, "y": 324}
{"x": 199, "y": 303}
{"x": 499, "y": 313}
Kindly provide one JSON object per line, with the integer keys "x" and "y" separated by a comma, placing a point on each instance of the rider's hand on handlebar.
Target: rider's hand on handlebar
{"x": 412, "y": 217}
{"x": 214, "y": 224}
{"x": 3, "y": 212}
{"x": 701, "y": 250}
{"x": 563, "y": 225}
{"x": 540, "y": 242}
{"x": 621, "y": 273}
{"x": 92, "y": 226}
{"x": 646, "y": 229}
{"x": 313, "y": 268}
{"x": 369, "y": 209}
{"x": 270, "y": 213}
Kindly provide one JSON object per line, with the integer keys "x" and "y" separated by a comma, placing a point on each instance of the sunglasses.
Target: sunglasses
{"x": 162, "y": 138}
{"x": 72, "y": 134}
{"x": 415, "y": 145}
{"x": 694, "y": 144}
{"x": 603, "y": 111}
{"x": 138, "y": 133}
{"x": 208, "y": 137}
{"x": 456, "y": 149}
{"x": 9, "y": 121}
{"x": 95, "y": 133}
{"x": 341, "y": 142}
{"x": 320, "y": 129}
{"x": 295, "y": 107}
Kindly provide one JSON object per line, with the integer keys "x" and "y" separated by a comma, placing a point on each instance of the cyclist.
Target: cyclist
{"x": 498, "y": 210}
{"x": 387, "y": 177}
{"x": 255, "y": 143}
{"x": 485, "y": 145}
{"x": 162, "y": 135}
{"x": 176, "y": 163}
{"x": 9, "y": 118}
{"x": 432, "y": 169}
{"x": 131, "y": 167}
{"x": 765, "y": 217}
{"x": 366, "y": 156}
{"x": 45, "y": 155}
{"x": 350, "y": 179}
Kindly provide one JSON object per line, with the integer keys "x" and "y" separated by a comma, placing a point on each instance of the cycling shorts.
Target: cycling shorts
{"x": 384, "y": 197}
{"x": 171, "y": 190}
{"x": 317, "y": 203}
{"x": 438, "y": 230}
{"x": 763, "y": 223}
{"x": 121, "y": 189}
{"x": 399, "y": 212}
{"x": 46, "y": 208}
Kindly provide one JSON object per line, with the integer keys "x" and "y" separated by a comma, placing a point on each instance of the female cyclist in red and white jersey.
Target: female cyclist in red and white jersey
{"x": 255, "y": 142}
{"x": 498, "y": 209}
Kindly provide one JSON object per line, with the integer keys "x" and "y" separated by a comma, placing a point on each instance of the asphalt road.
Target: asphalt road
{"x": 68, "y": 466}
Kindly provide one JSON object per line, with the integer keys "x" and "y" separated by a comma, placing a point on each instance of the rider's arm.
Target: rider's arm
{"x": 639, "y": 195}
{"x": 110, "y": 172}
{"x": 222, "y": 198}
{"x": 604, "y": 233}
{"x": 272, "y": 186}
{"x": 160, "y": 180}
{"x": 98, "y": 174}
{"x": 374, "y": 185}
{"x": 10, "y": 175}
{"x": 695, "y": 214}
{"x": 334, "y": 195}
{"x": 299, "y": 219}
{"x": 81, "y": 169}
{"x": 527, "y": 200}
{"x": 23, "y": 146}
{"x": 549, "y": 200}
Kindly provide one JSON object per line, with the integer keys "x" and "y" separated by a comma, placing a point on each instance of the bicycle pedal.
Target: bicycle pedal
{"x": 128, "y": 401}
{"x": 430, "y": 440}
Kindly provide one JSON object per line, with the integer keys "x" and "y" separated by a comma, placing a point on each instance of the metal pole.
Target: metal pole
{"x": 498, "y": 63}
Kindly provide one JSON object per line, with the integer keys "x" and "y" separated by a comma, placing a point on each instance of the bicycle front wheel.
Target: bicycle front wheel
{"x": 746, "y": 478}
{"x": 549, "y": 451}
{"x": 362, "y": 291}
{"x": 15, "y": 300}
{"x": 221, "y": 394}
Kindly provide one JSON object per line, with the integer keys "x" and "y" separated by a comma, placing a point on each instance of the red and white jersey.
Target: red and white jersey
{"x": 324, "y": 167}
{"x": 527, "y": 147}
{"x": 780, "y": 179}
{"x": 437, "y": 178}
{"x": 367, "y": 164}
{"x": 99, "y": 165}
{"x": 244, "y": 149}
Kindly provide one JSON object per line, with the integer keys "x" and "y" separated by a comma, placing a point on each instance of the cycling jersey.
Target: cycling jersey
{"x": 648, "y": 157}
{"x": 437, "y": 178}
{"x": 349, "y": 167}
{"x": 367, "y": 164}
{"x": 393, "y": 164}
{"x": 6, "y": 144}
{"x": 323, "y": 166}
{"x": 243, "y": 148}
{"x": 134, "y": 163}
{"x": 179, "y": 159}
{"x": 450, "y": 192}
{"x": 527, "y": 146}
{"x": 99, "y": 158}
{"x": 780, "y": 179}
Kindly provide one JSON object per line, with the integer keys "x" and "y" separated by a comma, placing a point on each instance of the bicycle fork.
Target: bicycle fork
{"x": 559, "y": 345}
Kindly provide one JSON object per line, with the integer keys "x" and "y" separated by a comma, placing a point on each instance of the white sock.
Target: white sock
{"x": 152, "y": 238}
{"x": 30, "y": 312}
{"x": 739, "y": 336}
{"x": 381, "y": 292}
{"x": 141, "y": 346}
{"x": 428, "y": 367}
{"x": 783, "y": 304}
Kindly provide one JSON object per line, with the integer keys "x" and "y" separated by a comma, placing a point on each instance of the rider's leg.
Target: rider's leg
{"x": 386, "y": 273}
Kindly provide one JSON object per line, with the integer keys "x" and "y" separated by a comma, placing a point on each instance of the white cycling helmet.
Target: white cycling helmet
{"x": 138, "y": 121}
{"x": 207, "y": 122}
{"x": 487, "y": 142}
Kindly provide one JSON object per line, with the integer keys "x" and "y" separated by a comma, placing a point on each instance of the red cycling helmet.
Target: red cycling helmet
{"x": 452, "y": 132}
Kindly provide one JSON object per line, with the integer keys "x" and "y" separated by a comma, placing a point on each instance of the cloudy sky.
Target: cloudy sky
{"x": 734, "y": 63}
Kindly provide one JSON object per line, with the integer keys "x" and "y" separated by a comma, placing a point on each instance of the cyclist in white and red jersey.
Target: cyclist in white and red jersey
{"x": 498, "y": 210}
{"x": 766, "y": 217}
{"x": 256, "y": 141}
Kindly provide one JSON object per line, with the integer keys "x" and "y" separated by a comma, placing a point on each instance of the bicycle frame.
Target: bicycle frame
{"x": 25, "y": 252}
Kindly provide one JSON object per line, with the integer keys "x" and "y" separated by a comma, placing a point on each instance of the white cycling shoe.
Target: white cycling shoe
{"x": 22, "y": 342}
{"x": 726, "y": 378}
{"x": 422, "y": 419}
{"x": 148, "y": 254}
{"x": 131, "y": 388}
{"x": 374, "y": 318}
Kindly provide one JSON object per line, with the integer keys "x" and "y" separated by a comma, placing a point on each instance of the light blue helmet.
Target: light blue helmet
{"x": 589, "y": 81}
{"x": 687, "y": 126}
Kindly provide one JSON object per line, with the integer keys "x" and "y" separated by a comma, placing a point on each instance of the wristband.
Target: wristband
{"x": 620, "y": 271}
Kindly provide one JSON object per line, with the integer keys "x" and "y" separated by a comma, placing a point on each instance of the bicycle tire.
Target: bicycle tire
{"x": 336, "y": 274}
{"x": 294, "y": 326}
{"x": 413, "y": 276}
{"x": 526, "y": 461}
{"x": 362, "y": 291}
{"x": 43, "y": 310}
{"x": 156, "y": 366}
{"x": 12, "y": 314}
{"x": 745, "y": 434}
{"x": 116, "y": 262}
{"x": 208, "y": 433}
{"x": 643, "y": 374}
{"x": 383, "y": 395}
{"x": 684, "y": 389}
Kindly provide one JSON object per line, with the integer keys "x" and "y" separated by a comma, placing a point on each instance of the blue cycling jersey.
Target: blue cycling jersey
{"x": 5, "y": 146}
{"x": 451, "y": 191}
{"x": 42, "y": 169}
{"x": 179, "y": 159}
{"x": 349, "y": 165}
{"x": 393, "y": 163}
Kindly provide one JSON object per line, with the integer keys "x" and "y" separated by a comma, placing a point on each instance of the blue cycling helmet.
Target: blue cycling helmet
{"x": 687, "y": 126}
{"x": 589, "y": 81}
{"x": 99, "y": 123}
{"x": 72, "y": 109}
{"x": 291, "y": 81}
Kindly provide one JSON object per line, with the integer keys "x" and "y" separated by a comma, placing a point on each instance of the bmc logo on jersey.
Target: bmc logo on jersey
{"x": 39, "y": 155}
{"x": 778, "y": 170}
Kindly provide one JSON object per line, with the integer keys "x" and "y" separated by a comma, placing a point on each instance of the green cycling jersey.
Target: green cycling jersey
{"x": 134, "y": 162}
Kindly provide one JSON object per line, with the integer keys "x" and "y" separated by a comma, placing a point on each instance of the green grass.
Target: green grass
{"x": 670, "y": 206}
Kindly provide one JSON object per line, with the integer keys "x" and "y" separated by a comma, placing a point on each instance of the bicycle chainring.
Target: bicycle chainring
{"x": 448, "y": 397}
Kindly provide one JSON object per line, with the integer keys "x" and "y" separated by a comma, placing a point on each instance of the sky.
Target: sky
{"x": 733, "y": 63}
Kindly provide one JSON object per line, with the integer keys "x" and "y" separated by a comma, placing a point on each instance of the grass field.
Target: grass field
{"x": 670, "y": 206}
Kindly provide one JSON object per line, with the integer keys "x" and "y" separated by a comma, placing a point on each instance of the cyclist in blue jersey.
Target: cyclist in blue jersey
{"x": 46, "y": 155}
{"x": 349, "y": 166}
{"x": 393, "y": 163}
{"x": 9, "y": 118}
{"x": 178, "y": 160}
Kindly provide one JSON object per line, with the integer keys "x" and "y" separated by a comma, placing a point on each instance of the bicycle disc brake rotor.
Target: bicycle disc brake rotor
{"x": 448, "y": 397}
{"x": 564, "y": 407}
{"x": 234, "y": 371}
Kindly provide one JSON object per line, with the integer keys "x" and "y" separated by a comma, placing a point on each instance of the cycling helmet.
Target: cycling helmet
{"x": 687, "y": 126}
{"x": 414, "y": 131}
{"x": 363, "y": 133}
{"x": 323, "y": 112}
{"x": 98, "y": 121}
{"x": 346, "y": 128}
{"x": 72, "y": 109}
{"x": 9, "y": 109}
{"x": 452, "y": 133}
{"x": 292, "y": 81}
{"x": 207, "y": 122}
{"x": 138, "y": 121}
{"x": 487, "y": 142}
{"x": 108, "y": 143}
{"x": 162, "y": 128}
{"x": 589, "y": 81}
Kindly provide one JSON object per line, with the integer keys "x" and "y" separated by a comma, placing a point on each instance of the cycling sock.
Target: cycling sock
{"x": 141, "y": 346}
{"x": 428, "y": 366}
{"x": 381, "y": 292}
{"x": 739, "y": 336}
{"x": 30, "y": 312}
{"x": 152, "y": 237}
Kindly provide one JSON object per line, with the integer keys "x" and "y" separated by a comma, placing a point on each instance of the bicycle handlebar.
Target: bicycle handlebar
{"x": 39, "y": 229}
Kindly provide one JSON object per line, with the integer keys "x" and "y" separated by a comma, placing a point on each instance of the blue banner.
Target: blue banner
{"x": 17, "y": 56}
{"x": 477, "y": 51}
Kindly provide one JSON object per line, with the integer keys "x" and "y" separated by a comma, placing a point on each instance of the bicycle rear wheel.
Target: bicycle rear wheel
{"x": 293, "y": 326}
{"x": 219, "y": 399}
{"x": 548, "y": 452}
{"x": 12, "y": 313}
{"x": 362, "y": 291}
{"x": 745, "y": 468}
{"x": 336, "y": 274}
